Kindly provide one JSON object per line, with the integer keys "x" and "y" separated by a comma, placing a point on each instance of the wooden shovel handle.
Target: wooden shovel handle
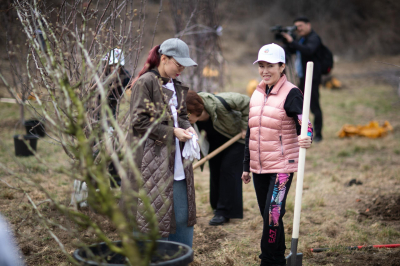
{"x": 221, "y": 148}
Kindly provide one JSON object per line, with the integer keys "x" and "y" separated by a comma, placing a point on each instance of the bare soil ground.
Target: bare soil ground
{"x": 334, "y": 214}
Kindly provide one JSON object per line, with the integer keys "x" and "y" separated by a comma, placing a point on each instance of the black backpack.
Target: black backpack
{"x": 326, "y": 60}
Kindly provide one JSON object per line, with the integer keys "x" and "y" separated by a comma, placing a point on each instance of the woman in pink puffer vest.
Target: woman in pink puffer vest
{"x": 272, "y": 147}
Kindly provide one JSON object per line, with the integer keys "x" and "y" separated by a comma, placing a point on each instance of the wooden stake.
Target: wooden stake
{"x": 221, "y": 148}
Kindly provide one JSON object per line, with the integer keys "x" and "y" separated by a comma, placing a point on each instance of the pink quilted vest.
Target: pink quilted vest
{"x": 273, "y": 138}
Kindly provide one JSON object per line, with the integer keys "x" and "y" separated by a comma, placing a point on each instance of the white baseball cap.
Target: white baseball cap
{"x": 271, "y": 53}
{"x": 115, "y": 56}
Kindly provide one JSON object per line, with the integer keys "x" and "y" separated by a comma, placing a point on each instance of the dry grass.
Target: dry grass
{"x": 330, "y": 209}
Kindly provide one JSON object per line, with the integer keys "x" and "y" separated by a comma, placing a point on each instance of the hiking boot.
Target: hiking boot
{"x": 218, "y": 220}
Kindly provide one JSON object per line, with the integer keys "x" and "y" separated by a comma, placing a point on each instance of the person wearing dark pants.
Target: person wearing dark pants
{"x": 118, "y": 78}
{"x": 271, "y": 191}
{"x": 226, "y": 196}
{"x": 272, "y": 147}
{"x": 308, "y": 48}
{"x": 222, "y": 117}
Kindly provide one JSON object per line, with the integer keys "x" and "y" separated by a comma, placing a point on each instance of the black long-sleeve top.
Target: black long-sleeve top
{"x": 310, "y": 50}
{"x": 293, "y": 107}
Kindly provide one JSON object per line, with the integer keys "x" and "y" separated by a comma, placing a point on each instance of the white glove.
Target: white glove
{"x": 191, "y": 150}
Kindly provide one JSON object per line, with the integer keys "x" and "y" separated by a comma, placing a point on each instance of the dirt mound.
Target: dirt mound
{"x": 383, "y": 207}
{"x": 371, "y": 257}
{"x": 208, "y": 239}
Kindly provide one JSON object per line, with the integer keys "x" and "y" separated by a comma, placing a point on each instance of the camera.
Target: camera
{"x": 278, "y": 29}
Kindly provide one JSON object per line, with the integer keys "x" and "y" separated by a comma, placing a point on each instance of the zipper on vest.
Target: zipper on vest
{"x": 259, "y": 134}
{"x": 280, "y": 139}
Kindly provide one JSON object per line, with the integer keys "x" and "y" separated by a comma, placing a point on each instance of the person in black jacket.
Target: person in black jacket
{"x": 119, "y": 79}
{"x": 308, "y": 48}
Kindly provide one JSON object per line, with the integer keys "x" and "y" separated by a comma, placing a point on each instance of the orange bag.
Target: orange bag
{"x": 371, "y": 130}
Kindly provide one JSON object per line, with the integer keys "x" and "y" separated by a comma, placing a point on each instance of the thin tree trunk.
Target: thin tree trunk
{"x": 22, "y": 113}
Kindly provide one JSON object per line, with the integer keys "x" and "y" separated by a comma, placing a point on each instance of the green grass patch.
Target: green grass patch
{"x": 344, "y": 153}
{"x": 388, "y": 234}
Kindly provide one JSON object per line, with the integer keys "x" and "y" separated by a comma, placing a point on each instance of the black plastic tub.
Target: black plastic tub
{"x": 35, "y": 127}
{"x": 181, "y": 254}
{"x": 21, "y": 149}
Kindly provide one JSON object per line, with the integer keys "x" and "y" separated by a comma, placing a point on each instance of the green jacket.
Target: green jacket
{"x": 225, "y": 122}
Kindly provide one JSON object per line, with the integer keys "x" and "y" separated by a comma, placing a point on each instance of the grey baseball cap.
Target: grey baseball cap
{"x": 179, "y": 50}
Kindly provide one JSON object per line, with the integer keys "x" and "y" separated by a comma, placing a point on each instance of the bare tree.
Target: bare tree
{"x": 16, "y": 53}
{"x": 198, "y": 24}
{"x": 66, "y": 74}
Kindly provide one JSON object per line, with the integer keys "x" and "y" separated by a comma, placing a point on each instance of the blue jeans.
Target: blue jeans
{"x": 183, "y": 234}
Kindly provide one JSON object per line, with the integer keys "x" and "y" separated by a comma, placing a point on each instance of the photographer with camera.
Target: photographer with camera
{"x": 307, "y": 48}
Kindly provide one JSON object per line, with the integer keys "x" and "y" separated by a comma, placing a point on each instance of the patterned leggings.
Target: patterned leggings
{"x": 271, "y": 191}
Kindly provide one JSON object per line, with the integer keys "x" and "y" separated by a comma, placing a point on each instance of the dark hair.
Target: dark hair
{"x": 284, "y": 71}
{"x": 302, "y": 19}
{"x": 120, "y": 70}
{"x": 194, "y": 103}
{"x": 152, "y": 61}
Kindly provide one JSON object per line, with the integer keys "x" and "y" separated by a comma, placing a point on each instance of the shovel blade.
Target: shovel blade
{"x": 296, "y": 260}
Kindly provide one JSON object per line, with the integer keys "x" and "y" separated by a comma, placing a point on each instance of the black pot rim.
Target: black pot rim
{"x": 185, "y": 256}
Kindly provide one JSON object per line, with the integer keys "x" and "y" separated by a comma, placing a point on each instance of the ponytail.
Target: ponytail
{"x": 152, "y": 61}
